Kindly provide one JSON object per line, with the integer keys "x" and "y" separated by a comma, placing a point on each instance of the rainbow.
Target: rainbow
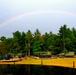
{"x": 36, "y": 12}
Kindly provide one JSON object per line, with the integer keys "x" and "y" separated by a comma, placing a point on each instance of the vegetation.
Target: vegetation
{"x": 29, "y": 42}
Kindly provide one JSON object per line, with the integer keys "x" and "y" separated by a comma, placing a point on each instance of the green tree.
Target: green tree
{"x": 23, "y": 42}
{"x": 38, "y": 41}
{"x": 28, "y": 38}
{"x": 2, "y": 48}
{"x": 46, "y": 43}
{"x": 66, "y": 38}
{"x": 17, "y": 41}
{"x": 2, "y": 38}
{"x": 20, "y": 41}
{"x": 74, "y": 40}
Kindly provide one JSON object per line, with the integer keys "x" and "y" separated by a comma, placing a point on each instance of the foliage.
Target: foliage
{"x": 29, "y": 43}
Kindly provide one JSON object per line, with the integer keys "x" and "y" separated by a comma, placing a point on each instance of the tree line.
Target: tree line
{"x": 29, "y": 43}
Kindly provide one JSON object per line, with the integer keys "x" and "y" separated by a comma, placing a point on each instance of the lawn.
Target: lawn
{"x": 65, "y": 62}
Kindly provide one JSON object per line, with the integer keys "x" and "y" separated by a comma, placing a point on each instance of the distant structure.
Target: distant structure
{"x": 43, "y": 54}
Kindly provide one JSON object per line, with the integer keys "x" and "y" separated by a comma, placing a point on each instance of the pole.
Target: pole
{"x": 73, "y": 64}
{"x": 41, "y": 62}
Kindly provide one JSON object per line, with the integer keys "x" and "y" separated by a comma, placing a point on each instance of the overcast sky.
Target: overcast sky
{"x": 45, "y": 15}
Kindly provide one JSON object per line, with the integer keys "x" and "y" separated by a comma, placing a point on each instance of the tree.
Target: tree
{"x": 2, "y": 38}
{"x": 38, "y": 41}
{"x": 66, "y": 38}
{"x": 74, "y": 40}
{"x": 46, "y": 43}
{"x": 23, "y": 42}
{"x": 29, "y": 43}
{"x": 2, "y": 48}
{"x": 20, "y": 41}
{"x": 17, "y": 42}
{"x": 28, "y": 38}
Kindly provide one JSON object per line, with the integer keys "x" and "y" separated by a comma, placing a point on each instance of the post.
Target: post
{"x": 73, "y": 64}
{"x": 14, "y": 60}
{"x": 41, "y": 62}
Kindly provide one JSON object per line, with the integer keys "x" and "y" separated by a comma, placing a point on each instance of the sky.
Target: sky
{"x": 45, "y": 15}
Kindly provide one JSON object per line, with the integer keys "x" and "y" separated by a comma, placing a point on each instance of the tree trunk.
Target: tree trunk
{"x": 29, "y": 48}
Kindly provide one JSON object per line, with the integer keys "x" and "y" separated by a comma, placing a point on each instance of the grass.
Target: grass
{"x": 65, "y": 62}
